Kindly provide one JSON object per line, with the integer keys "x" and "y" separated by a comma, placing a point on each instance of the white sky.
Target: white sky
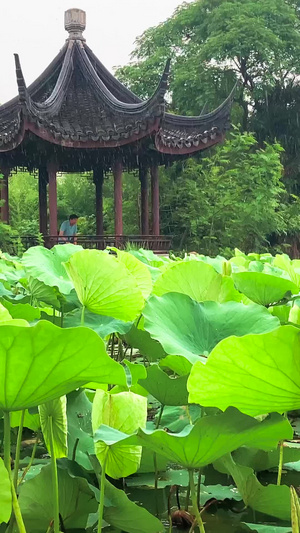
{"x": 35, "y": 30}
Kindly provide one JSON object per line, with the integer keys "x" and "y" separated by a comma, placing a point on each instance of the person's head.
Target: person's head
{"x": 73, "y": 219}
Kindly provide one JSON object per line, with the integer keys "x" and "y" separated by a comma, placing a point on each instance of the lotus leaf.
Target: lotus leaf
{"x": 138, "y": 338}
{"x": 167, "y": 390}
{"x": 5, "y": 315}
{"x": 138, "y": 269}
{"x": 76, "y": 501}
{"x": 262, "y": 288}
{"x": 198, "y": 280}
{"x": 104, "y": 285}
{"x": 200, "y": 326}
{"x": 79, "y": 413}
{"x": 103, "y": 325}
{"x": 272, "y": 499}
{"x": 21, "y": 310}
{"x": 47, "y": 265}
{"x": 5, "y": 494}
{"x": 31, "y": 421}
{"x": 208, "y": 440}
{"x": 45, "y": 362}
{"x": 125, "y": 515}
{"x": 257, "y": 373}
{"x": 259, "y": 528}
{"x": 53, "y": 417}
{"x": 124, "y": 412}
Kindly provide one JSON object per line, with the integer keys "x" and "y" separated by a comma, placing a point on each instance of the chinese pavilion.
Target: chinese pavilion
{"x": 77, "y": 117}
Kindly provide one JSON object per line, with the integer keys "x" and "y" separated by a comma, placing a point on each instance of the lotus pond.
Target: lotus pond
{"x": 144, "y": 394}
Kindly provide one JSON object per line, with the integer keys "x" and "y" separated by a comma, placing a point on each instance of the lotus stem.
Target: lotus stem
{"x": 280, "y": 466}
{"x": 17, "y": 510}
{"x": 82, "y": 316}
{"x": 194, "y": 501}
{"x": 158, "y": 421}
{"x": 31, "y": 460}
{"x": 199, "y": 488}
{"x": 18, "y": 450}
{"x": 54, "y": 481}
{"x": 102, "y": 493}
{"x": 187, "y": 498}
{"x": 7, "y": 462}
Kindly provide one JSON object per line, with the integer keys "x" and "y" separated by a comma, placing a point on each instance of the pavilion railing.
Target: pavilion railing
{"x": 158, "y": 244}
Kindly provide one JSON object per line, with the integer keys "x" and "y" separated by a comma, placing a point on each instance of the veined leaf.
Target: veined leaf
{"x": 124, "y": 412}
{"x": 209, "y": 439}
{"x": 76, "y": 501}
{"x": 5, "y": 494}
{"x": 168, "y": 391}
{"x": 257, "y": 373}
{"x": 198, "y": 327}
{"x": 53, "y": 417}
{"x": 198, "y": 280}
{"x": 272, "y": 499}
{"x": 262, "y": 288}
{"x": 138, "y": 269}
{"x": 104, "y": 285}
{"x": 47, "y": 265}
{"x": 45, "y": 362}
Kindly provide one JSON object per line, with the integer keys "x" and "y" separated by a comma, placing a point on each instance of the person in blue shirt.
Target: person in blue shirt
{"x": 68, "y": 230}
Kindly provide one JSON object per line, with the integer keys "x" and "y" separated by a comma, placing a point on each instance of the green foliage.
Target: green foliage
{"x": 268, "y": 363}
{"x": 231, "y": 198}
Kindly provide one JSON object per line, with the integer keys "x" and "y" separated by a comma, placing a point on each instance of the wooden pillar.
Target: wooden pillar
{"x": 43, "y": 178}
{"x": 52, "y": 169}
{"x": 117, "y": 171}
{"x": 155, "y": 200}
{"x": 143, "y": 175}
{"x": 98, "y": 181}
{"x": 4, "y": 196}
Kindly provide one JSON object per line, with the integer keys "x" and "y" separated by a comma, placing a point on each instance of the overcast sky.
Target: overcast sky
{"x": 35, "y": 30}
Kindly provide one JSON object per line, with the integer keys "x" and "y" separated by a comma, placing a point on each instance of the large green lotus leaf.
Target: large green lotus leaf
{"x": 76, "y": 501}
{"x": 125, "y": 412}
{"x": 138, "y": 269}
{"x": 103, "y": 325}
{"x": 198, "y": 327}
{"x": 5, "y": 494}
{"x": 31, "y": 421}
{"x": 272, "y": 499}
{"x": 23, "y": 311}
{"x": 47, "y": 265}
{"x": 125, "y": 515}
{"x": 167, "y": 390}
{"x": 261, "y": 528}
{"x": 54, "y": 413}
{"x": 208, "y": 440}
{"x": 5, "y": 315}
{"x": 283, "y": 261}
{"x": 45, "y": 362}
{"x": 179, "y": 364}
{"x": 79, "y": 415}
{"x": 104, "y": 285}
{"x": 140, "y": 339}
{"x": 198, "y": 280}
{"x": 263, "y": 288}
{"x": 257, "y": 373}
{"x": 42, "y": 293}
{"x": 260, "y": 460}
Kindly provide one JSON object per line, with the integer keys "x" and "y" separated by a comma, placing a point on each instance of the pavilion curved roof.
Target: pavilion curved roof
{"x": 77, "y": 103}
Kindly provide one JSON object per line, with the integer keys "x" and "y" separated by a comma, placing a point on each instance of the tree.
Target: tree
{"x": 212, "y": 43}
{"x": 234, "y": 198}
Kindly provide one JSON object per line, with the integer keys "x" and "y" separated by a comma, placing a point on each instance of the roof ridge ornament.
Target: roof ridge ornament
{"x": 75, "y": 23}
{"x": 22, "y": 89}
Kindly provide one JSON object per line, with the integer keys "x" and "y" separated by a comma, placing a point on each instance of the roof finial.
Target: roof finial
{"x": 75, "y": 20}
